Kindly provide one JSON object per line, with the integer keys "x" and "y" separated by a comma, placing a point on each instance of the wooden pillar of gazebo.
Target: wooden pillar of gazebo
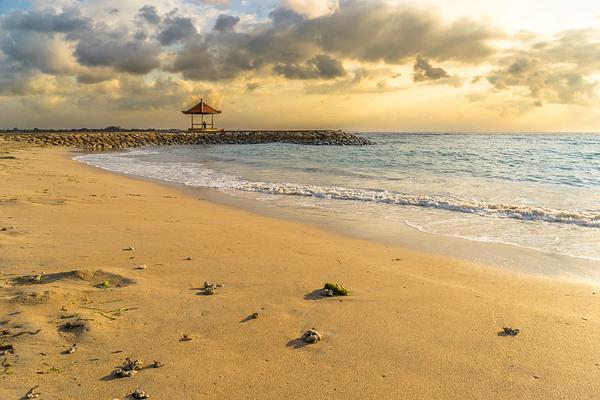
{"x": 202, "y": 109}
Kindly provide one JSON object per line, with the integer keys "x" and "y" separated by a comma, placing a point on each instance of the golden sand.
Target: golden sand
{"x": 415, "y": 326}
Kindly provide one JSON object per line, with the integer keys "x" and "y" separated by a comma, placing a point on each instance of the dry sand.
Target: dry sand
{"x": 416, "y": 326}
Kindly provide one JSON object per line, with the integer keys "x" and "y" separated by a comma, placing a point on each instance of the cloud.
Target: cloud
{"x": 356, "y": 31}
{"x": 93, "y": 77}
{"x": 45, "y": 21}
{"x": 552, "y": 69}
{"x": 226, "y": 23}
{"x": 218, "y": 3}
{"x": 312, "y": 8}
{"x": 343, "y": 47}
{"x": 176, "y": 29}
{"x": 423, "y": 71}
{"x": 392, "y": 34}
{"x": 197, "y": 61}
{"x": 284, "y": 17}
{"x": 115, "y": 49}
{"x": 545, "y": 82}
{"x": 149, "y": 14}
{"x": 358, "y": 81}
{"x": 321, "y": 66}
{"x": 286, "y": 44}
{"x": 29, "y": 50}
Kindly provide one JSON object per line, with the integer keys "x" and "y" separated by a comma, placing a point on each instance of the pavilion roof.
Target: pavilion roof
{"x": 201, "y": 108}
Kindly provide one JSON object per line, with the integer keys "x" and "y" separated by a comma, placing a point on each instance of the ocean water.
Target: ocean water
{"x": 540, "y": 192}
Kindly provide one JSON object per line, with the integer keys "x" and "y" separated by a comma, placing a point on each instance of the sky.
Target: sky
{"x": 367, "y": 65}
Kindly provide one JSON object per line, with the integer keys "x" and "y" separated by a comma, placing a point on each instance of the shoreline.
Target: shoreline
{"x": 494, "y": 255}
{"x": 416, "y": 325}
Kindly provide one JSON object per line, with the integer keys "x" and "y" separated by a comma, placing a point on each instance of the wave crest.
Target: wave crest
{"x": 194, "y": 174}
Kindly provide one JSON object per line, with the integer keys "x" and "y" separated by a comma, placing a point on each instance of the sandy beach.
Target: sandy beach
{"x": 415, "y": 326}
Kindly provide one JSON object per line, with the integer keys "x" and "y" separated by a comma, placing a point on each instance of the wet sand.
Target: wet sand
{"x": 414, "y": 326}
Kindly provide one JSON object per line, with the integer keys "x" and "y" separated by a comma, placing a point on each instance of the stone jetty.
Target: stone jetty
{"x": 117, "y": 140}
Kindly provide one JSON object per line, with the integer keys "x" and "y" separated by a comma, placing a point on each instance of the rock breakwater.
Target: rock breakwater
{"x": 119, "y": 140}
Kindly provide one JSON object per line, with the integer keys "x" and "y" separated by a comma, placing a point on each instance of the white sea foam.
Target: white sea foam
{"x": 197, "y": 175}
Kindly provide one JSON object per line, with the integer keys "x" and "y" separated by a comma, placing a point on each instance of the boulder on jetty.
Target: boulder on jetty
{"x": 119, "y": 140}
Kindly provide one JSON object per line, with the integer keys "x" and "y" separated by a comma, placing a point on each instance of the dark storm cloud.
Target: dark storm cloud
{"x": 45, "y": 21}
{"x": 424, "y": 71}
{"x": 176, "y": 29}
{"x": 226, "y": 23}
{"x": 321, "y": 66}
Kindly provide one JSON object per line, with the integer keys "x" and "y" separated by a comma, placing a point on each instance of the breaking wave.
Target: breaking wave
{"x": 197, "y": 175}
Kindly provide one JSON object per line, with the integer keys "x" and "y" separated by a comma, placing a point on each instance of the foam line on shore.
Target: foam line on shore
{"x": 196, "y": 175}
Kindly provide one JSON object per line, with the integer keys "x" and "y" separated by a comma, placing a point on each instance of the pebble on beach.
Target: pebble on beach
{"x": 210, "y": 288}
{"x": 509, "y": 331}
{"x": 129, "y": 368}
{"x": 311, "y": 336}
{"x": 140, "y": 394}
{"x": 185, "y": 337}
{"x": 71, "y": 349}
{"x": 32, "y": 393}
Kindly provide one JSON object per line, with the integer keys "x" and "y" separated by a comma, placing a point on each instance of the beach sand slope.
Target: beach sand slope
{"x": 415, "y": 326}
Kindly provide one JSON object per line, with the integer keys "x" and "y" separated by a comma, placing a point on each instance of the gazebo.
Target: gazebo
{"x": 203, "y": 109}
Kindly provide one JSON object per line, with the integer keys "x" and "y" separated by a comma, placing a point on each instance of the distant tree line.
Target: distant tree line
{"x": 111, "y": 128}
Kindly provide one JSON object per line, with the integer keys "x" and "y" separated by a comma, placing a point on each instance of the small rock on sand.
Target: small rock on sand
{"x": 509, "y": 331}
{"x": 336, "y": 289}
{"x": 6, "y": 348}
{"x": 186, "y": 337}
{"x": 209, "y": 291}
{"x": 130, "y": 248}
{"x": 311, "y": 336}
{"x": 129, "y": 368}
{"x": 32, "y": 393}
{"x": 72, "y": 325}
{"x": 140, "y": 394}
{"x": 141, "y": 266}
{"x": 211, "y": 287}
